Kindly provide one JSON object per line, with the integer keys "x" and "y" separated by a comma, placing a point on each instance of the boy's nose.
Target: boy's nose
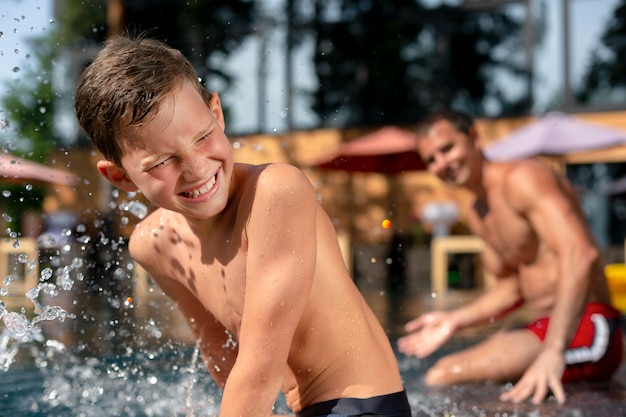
{"x": 194, "y": 167}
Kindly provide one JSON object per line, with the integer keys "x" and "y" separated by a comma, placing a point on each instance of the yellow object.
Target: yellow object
{"x": 616, "y": 279}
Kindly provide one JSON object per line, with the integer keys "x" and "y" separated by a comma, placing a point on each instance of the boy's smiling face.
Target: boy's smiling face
{"x": 181, "y": 160}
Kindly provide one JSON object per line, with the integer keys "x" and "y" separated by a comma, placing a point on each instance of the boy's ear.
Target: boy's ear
{"x": 216, "y": 107}
{"x": 116, "y": 176}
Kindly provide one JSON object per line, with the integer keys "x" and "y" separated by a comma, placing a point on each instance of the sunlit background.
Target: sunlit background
{"x": 301, "y": 81}
{"x": 258, "y": 63}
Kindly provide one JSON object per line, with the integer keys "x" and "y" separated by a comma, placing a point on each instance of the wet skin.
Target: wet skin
{"x": 538, "y": 245}
{"x": 253, "y": 263}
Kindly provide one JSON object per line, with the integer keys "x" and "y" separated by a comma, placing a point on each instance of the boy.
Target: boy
{"x": 539, "y": 246}
{"x": 245, "y": 251}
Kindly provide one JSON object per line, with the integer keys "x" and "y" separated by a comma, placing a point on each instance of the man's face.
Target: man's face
{"x": 182, "y": 160}
{"x": 447, "y": 153}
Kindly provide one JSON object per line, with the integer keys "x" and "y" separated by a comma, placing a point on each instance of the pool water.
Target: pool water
{"x": 174, "y": 383}
{"x": 126, "y": 354}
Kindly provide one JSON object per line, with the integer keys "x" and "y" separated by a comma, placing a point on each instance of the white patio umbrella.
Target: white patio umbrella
{"x": 554, "y": 134}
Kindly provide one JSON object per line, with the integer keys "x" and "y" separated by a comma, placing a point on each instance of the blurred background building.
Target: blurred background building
{"x": 300, "y": 77}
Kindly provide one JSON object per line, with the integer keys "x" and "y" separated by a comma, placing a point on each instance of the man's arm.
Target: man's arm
{"x": 281, "y": 235}
{"x": 430, "y": 331}
{"x": 496, "y": 302}
{"x": 550, "y": 205}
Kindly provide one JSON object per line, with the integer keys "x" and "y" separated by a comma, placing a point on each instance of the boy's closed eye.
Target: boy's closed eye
{"x": 160, "y": 164}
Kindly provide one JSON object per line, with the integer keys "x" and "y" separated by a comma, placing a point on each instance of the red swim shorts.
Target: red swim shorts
{"x": 595, "y": 352}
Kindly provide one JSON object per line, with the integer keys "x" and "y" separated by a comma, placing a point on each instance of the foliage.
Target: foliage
{"x": 608, "y": 61}
{"x": 205, "y": 31}
{"x": 81, "y": 23}
{"x": 29, "y": 109}
{"x": 384, "y": 61}
{"x": 30, "y": 106}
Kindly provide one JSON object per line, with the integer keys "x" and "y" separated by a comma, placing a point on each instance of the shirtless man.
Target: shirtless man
{"x": 245, "y": 251}
{"x": 539, "y": 246}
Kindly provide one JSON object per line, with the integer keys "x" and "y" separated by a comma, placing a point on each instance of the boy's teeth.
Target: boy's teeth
{"x": 202, "y": 190}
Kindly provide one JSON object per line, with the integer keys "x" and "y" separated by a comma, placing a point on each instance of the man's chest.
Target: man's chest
{"x": 507, "y": 232}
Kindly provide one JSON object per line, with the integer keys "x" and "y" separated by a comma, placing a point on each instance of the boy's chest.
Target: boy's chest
{"x": 216, "y": 275}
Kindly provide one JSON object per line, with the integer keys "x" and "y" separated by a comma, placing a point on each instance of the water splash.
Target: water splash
{"x": 134, "y": 207}
{"x": 19, "y": 329}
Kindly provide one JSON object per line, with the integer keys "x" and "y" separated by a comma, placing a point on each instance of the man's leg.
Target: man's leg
{"x": 503, "y": 356}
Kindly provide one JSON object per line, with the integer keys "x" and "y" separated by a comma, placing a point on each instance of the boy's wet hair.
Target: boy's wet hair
{"x": 123, "y": 87}
{"x": 462, "y": 122}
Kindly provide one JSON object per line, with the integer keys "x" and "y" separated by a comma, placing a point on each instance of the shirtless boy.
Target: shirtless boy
{"x": 245, "y": 251}
{"x": 538, "y": 244}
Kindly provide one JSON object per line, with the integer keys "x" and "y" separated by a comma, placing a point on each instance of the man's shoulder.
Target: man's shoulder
{"x": 525, "y": 169}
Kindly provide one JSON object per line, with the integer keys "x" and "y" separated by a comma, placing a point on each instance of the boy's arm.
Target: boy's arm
{"x": 215, "y": 344}
{"x": 281, "y": 235}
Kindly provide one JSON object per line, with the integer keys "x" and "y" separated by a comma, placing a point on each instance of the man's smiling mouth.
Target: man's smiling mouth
{"x": 202, "y": 190}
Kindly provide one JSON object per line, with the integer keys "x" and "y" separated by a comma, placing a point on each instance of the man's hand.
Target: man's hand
{"x": 543, "y": 375}
{"x": 427, "y": 333}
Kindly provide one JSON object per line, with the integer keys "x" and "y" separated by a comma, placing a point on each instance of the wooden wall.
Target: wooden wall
{"x": 357, "y": 203}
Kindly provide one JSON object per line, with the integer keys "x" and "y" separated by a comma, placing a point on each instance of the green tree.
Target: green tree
{"x": 605, "y": 73}
{"x": 382, "y": 61}
{"x": 29, "y": 112}
{"x": 205, "y": 31}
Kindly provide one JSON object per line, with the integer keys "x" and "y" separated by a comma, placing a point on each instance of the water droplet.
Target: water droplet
{"x": 17, "y": 324}
{"x": 136, "y": 208}
{"x": 46, "y": 274}
{"x": 9, "y": 279}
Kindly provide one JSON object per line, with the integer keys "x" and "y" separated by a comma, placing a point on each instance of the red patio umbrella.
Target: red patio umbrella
{"x": 389, "y": 150}
{"x": 14, "y": 169}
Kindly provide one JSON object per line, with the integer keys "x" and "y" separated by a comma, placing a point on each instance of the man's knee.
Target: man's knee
{"x": 437, "y": 375}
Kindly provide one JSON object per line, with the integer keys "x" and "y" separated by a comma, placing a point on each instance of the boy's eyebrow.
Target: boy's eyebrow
{"x": 152, "y": 160}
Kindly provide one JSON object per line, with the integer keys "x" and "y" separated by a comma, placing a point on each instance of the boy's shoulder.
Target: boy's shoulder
{"x": 157, "y": 224}
{"x": 270, "y": 176}
{"x": 271, "y": 168}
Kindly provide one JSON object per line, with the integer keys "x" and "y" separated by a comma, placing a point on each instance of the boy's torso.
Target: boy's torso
{"x": 335, "y": 342}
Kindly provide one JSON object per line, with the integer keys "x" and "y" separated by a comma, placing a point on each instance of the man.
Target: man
{"x": 539, "y": 246}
